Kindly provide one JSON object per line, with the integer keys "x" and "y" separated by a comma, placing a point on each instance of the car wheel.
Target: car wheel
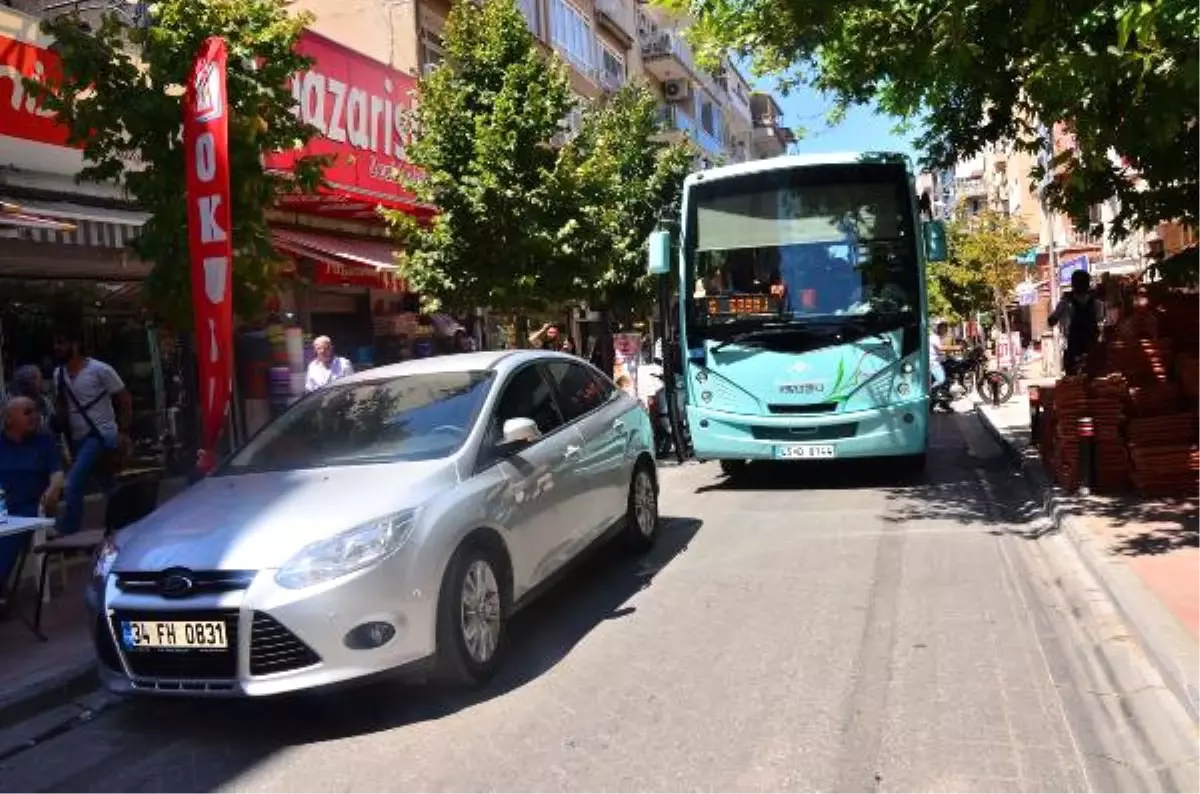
{"x": 641, "y": 514}
{"x": 733, "y": 468}
{"x": 472, "y": 611}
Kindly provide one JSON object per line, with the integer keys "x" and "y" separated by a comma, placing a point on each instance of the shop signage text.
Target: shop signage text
{"x": 337, "y": 274}
{"x": 206, "y": 143}
{"x": 21, "y": 116}
{"x": 362, "y": 109}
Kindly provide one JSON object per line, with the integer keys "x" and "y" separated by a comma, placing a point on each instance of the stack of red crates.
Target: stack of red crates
{"x": 1106, "y": 406}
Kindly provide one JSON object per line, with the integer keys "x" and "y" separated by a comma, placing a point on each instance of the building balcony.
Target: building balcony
{"x": 666, "y": 56}
{"x": 679, "y": 126}
{"x": 619, "y": 18}
{"x": 970, "y": 187}
{"x": 770, "y": 141}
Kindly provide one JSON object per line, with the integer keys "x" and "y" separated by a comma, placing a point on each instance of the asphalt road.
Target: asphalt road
{"x": 816, "y": 628}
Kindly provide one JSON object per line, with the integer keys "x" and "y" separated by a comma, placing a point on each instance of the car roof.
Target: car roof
{"x": 500, "y": 360}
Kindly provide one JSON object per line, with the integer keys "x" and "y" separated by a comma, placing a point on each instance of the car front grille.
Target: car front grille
{"x": 182, "y": 664}
{"x": 201, "y": 582}
{"x": 275, "y": 649}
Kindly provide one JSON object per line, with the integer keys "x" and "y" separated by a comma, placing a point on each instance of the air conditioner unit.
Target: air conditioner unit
{"x": 675, "y": 90}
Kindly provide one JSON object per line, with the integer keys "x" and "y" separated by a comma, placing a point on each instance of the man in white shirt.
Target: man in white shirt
{"x": 326, "y": 367}
{"x": 98, "y": 410}
{"x": 937, "y": 354}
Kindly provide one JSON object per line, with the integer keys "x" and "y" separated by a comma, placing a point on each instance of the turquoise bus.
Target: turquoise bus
{"x": 802, "y": 324}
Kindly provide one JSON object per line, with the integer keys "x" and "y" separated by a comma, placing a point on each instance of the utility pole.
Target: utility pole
{"x": 1051, "y": 358}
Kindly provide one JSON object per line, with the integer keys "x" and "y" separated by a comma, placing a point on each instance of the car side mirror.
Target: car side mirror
{"x": 519, "y": 432}
{"x": 659, "y": 263}
{"x": 934, "y": 233}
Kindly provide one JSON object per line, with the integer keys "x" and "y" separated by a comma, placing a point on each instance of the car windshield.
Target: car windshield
{"x": 407, "y": 418}
{"x": 771, "y": 248}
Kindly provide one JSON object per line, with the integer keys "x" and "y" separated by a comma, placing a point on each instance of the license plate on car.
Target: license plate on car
{"x": 805, "y": 452}
{"x": 172, "y": 634}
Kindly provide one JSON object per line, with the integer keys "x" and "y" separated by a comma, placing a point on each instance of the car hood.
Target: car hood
{"x": 259, "y": 520}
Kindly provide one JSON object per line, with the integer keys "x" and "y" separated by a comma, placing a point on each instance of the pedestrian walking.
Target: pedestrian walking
{"x": 326, "y": 367}
{"x": 1081, "y": 314}
{"x": 93, "y": 410}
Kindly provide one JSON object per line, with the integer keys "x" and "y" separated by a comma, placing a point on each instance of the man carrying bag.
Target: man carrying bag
{"x": 93, "y": 410}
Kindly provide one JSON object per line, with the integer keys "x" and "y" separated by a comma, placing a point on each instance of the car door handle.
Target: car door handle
{"x": 572, "y": 451}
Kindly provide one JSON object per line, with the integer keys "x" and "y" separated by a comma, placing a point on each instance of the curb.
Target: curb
{"x": 30, "y": 700}
{"x": 1152, "y": 627}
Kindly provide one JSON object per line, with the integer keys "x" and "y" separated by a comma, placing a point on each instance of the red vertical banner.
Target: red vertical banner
{"x": 206, "y": 142}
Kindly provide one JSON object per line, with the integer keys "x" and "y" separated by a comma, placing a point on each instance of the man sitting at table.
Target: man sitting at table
{"x": 30, "y": 473}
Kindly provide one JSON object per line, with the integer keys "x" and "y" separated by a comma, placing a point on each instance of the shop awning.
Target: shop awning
{"x": 15, "y": 215}
{"x": 344, "y": 260}
{"x": 72, "y": 224}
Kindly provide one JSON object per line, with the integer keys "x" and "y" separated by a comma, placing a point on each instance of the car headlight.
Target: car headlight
{"x": 106, "y": 556}
{"x": 347, "y": 552}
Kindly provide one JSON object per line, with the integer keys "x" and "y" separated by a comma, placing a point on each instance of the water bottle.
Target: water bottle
{"x": 3, "y": 507}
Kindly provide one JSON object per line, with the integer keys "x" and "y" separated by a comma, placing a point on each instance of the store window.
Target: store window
{"x": 571, "y": 33}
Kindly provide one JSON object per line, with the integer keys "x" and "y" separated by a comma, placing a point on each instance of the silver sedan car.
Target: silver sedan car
{"x": 394, "y": 520}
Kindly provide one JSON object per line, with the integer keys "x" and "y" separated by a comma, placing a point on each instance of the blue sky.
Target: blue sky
{"x": 862, "y": 130}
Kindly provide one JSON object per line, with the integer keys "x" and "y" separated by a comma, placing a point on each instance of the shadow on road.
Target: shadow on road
{"x": 235, "y": 736}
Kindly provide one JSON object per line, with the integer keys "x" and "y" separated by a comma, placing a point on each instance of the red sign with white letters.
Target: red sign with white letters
{"x": 206, "y": 142}
{"x": 361, "y": 108}
{"x": 20, "y": 114}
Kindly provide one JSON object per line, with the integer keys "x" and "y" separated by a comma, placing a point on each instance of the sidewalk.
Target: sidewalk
{"x": 36, "y": 675}
{"x": 1143, "y": 550}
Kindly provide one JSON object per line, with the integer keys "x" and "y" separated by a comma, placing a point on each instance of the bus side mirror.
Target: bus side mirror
{"x": 934, "y": 233}
{"x": 660, "y": 253}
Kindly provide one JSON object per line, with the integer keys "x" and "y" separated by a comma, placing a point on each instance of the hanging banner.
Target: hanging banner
{"x": 206, "y": 144}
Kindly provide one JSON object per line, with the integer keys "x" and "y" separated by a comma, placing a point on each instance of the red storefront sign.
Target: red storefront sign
{"x": 361, "y": 108}
{"x": 206, "y": 146}
{"x": 337, "y": 274}
{"x": 20, "y": 114}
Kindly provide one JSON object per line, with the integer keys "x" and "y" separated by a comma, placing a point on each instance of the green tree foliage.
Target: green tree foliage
{"x": 981, "y": 272}
{"x": 508, "y": 198}
{"x": 639, "y": 178}
{"x": 1123, "y": 75}
{"x": 134, "y": 115}
{"x": 528, "y": 219}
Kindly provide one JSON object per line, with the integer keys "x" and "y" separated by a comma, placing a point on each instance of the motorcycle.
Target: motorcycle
{"x": 655, "y": 399}
{"x": 971, "y": 372}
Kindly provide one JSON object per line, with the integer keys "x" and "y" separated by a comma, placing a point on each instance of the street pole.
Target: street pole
{"x": 1050, "y": 363}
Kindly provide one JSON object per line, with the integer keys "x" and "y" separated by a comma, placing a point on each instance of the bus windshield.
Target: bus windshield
{"x": 822, "y": 244}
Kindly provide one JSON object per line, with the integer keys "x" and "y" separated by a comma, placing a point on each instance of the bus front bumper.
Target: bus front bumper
{"x": 886, "y": 431}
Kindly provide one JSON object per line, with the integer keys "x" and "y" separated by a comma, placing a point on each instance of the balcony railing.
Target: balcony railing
{"x": 675, "y": 120}
{"x": 970, "y": 186}
{"x": 668, "y": 44}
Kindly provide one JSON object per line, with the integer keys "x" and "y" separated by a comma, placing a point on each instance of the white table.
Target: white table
{"x": 18, "y": 525}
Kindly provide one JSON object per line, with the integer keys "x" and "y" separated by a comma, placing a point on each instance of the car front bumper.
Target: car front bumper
{"x": 279, "y": 640}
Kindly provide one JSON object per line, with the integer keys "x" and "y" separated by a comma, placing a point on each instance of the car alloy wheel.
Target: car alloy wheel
{"x": 480, "y": 614}
{"x": 645, "y": 503}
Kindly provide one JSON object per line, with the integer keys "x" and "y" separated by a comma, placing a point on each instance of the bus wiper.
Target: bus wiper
{"x": 757, "y": 333}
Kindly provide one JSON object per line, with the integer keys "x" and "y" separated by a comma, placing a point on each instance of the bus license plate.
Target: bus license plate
{"x": 206, "y": 634}
{"x": 805, "y": 452}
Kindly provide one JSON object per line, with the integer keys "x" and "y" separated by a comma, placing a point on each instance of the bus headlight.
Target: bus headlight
{"x": 902, "y": 389}
{"x": 706, "y": 396}
{"x": 906, "y": 368}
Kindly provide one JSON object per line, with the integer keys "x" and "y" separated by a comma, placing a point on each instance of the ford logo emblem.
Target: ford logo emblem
{"x": 176, "y": 584}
